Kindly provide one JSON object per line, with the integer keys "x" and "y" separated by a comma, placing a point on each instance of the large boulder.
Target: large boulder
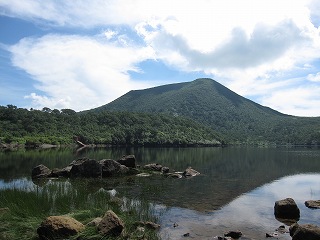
{"x": 304, "y": 232}
{"x": 286, "y": 209}
{"x": 312, "y": 204}
{"x": 111, "y": 167}
{"x": 40, "y": 171}
{"x": 57, "y": 227}
{"x": 85, "y": 167}
{"x": 110, "y": 224}
{"x": 190, "y": 172}
{"x": 128, "y": 161}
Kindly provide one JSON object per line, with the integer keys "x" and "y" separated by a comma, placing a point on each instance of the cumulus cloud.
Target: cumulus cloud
{"x": 77, "y": 72}
{"x": 314, "y": 77}
{"x": 249, "y": 46}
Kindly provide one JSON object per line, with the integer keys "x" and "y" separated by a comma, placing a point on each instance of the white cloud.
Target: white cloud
{"x": 251, "y": 46}
{"x": 77, "y": 72}
{"x": 314, "y": 77}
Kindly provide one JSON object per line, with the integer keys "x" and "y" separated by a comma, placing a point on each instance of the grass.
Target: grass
{"x": 25, "y": 209}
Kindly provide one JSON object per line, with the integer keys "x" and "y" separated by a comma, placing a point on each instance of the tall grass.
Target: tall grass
{"x": 28, "y": 207}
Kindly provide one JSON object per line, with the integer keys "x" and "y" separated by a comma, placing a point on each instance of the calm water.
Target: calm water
{"x": 236, "y": 190}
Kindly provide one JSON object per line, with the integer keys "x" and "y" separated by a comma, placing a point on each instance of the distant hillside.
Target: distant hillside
{"x": 36, "y": 127}
{"x": 210, "y": 103}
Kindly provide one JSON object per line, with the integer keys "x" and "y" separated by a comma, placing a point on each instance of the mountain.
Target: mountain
{"x": 207, "y": 102}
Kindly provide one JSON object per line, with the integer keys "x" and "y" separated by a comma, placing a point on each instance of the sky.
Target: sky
{"x": 81, "y": 54}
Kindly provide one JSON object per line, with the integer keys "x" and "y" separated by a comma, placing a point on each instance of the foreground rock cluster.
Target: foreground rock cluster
{"x": 62, "y": 227}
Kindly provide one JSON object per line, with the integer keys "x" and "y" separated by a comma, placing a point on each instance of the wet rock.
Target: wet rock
{"x": 40, "y": 171}
{"x": 111, "y": 167}
{"x": 85, "y": 168}
{"x": 233, "y": 234}
{"x": 286, "y": 209}
{"x": 153, "y": 167}
{"x": 174, "y": 175}
{"x": 143, "y": 175}
{"x": 186, "y": 235}
{"x": 304, "y": 232}
{"x": 110, "y": 224}
{"x": 57, "y": 227}
{"x": 190, "y": 172}
{"x": 315, "y": 204}
{"x": 128, "y": 161}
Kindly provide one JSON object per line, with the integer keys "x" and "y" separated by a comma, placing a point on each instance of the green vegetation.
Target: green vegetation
{"x": 23, "y": 210}
{"x": 236, "y": 118}
{"x": 35, "y": 127}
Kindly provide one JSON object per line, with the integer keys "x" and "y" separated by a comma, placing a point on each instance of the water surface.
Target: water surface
{"x": 236, "y": 190}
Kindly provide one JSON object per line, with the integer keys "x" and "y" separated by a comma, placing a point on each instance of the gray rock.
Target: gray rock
{"x": 40, "y": 171}
{"x": 190, "y": 172}
{"x": 315, "y": 204}
{"x": 304, "y": 232}
{"x": 112, "y": 168}
{"x": 286, "y": 209}
{"x": 85, "y": 168}
{"x": 110, "y": 224}
{"x": 64, "y": 172}
{"x": 153, "y": 167}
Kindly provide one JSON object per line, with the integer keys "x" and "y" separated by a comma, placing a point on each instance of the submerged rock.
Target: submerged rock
{"x": 110, "y": 224}
{"x": 286, "y": 209}
{"x": 233, "y": 234}
{"x": 57, "y": 227}
{"x": 315, "y": 204}
{"x": 304, "y": 232}
{"x": 190, "y": 172}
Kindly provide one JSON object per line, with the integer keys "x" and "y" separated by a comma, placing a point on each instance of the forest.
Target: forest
{"x": 60, "y": 127}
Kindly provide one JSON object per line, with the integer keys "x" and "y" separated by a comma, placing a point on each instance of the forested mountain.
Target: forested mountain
{"x": 34, "y": 127}
{"x": 210, "y": 103}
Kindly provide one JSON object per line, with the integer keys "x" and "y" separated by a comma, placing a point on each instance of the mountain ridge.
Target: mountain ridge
{"x": 210, "y": 103}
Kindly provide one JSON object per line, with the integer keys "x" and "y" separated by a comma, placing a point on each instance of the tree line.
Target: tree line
{"x": 36, "y": 127}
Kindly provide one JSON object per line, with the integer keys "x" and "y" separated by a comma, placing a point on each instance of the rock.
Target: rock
{"x": 304, "y": 232}
{"x": 313, "y": 204}
{"x": 40, "y": 171}
{"x": 64, "y": 172}
{"x": 233, "y": 234}
{"x": 174, "y": 175}
{"x": 153, "y": 167}
{"x": 4, "y": 210}
{"x": 111, "y": 168}
{"x": 286, "y": 209}
{"x": 85, "y": 168}
{"x": 165, "y": 170}
{"x": 95, "y": 222}
{"x": 110, "y": 224}
{"x": 189, "y": 172}
{"x": 56, "y": 227}
{"x": 143, "y": 175}
{"x": 128, "y": 161}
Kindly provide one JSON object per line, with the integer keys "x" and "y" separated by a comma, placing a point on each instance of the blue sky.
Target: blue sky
{"x": 83, "y": 54}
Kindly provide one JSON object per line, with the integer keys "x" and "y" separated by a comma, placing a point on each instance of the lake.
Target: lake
{"x": 236, "y": 190}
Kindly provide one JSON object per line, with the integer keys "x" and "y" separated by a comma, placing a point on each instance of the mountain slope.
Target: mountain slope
{"x": 210, "y": 103}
